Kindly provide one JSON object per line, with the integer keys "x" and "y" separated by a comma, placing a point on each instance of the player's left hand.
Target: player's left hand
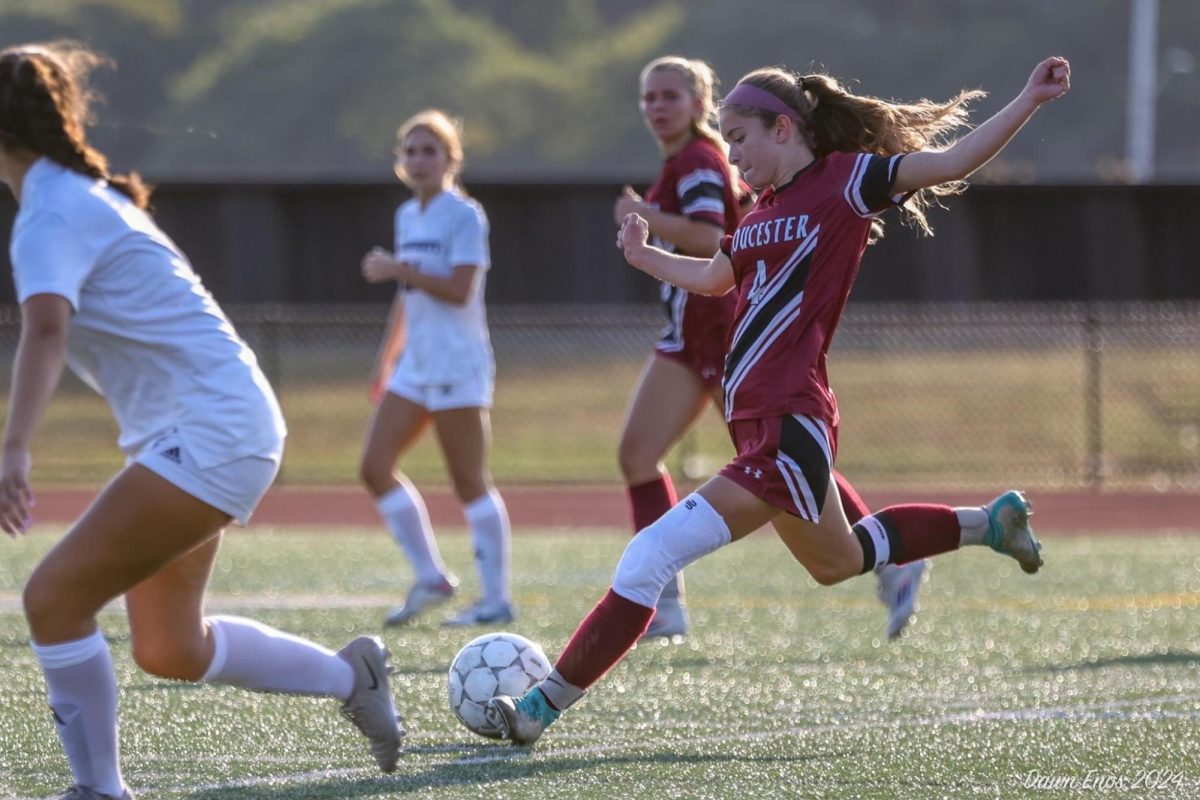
{"x": 633, "y": 234}
{"x": 1051, "y": 79}
{"x": 16, "y": 496}
{"x": 630, "y": 202}
{"x": 379, "y": 266}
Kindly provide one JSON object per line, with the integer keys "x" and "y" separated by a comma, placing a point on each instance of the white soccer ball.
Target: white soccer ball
{"x": 493, "y": 664}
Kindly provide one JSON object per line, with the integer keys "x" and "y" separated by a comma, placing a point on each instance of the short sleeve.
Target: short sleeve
{"x": 50, "y": 257}
{"x": 469, "y": 239}
{"x": 701, "y": 187}
{"x": 868, "y": 190}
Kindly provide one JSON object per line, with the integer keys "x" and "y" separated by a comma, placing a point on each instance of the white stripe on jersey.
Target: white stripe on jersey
{"x": 853, "y": 192}
{"x": 789, "y": 314}
{"x": 671, "y": 340}
{"x": 854, "y": 186}
{"x": 697, "y": 177}
{"x": 816, "y": 428}
{"x": 772, "y": 286}
{"x": 704, "y": 204}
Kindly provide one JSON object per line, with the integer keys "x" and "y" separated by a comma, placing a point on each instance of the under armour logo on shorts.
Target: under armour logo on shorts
{"x": 757, "y": 473}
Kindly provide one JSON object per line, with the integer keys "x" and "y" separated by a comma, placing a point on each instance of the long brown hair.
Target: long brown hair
{"x": 836, "y": 120}
{"x": 45, "y": 104}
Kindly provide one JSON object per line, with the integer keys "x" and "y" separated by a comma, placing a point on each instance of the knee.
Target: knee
{"x": 375, "y": 476}
{"x": 173, "y": 659}
{"x": 636, "y": 461}
{"x": 469, "y": 483}
{"x": 52, "y": 610}
{"x": 831, "y": 573}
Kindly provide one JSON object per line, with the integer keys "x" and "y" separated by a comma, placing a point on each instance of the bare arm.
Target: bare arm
{"x": 691, "y": 237}
{"x": 379, "y": 266}
{"x": 41, "y": 355}
{"x": 710, "y": 276}
{"x": 1051, "y": 79}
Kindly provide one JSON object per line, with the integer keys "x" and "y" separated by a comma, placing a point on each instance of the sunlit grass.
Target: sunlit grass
{"x": 784, "y": 689}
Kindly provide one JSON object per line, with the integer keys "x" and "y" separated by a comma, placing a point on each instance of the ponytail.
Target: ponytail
{"x": 44, "y": 108}
{"x": 836, "y": 120}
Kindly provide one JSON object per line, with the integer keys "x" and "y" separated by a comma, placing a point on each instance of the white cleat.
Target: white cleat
{"x": 370, "y": 705}
{"x": 481, "y": 613}
{"x": 670, "y": 620}
{"x": 421, "y": 598}
{"x": 897, "y": 589}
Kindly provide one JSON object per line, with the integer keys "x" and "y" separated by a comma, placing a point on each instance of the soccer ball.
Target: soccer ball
{"x": 491, "y": 665}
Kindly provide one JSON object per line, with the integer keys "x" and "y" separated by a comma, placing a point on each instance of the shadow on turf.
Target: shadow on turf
{"x": 1171, "y": 657}
{"x": 496, "y": 764}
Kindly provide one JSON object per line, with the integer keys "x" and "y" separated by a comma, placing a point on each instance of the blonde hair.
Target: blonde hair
{"x": 45, "y": 106}
{"x": 702, "y": 83}
{"x": 836, "y": 120}
{"x": 445, "y": 128}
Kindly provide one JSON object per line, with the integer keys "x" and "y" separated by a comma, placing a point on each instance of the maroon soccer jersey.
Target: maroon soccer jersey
{"x": 695, "y": 183}
{"x": 795, "y": 257}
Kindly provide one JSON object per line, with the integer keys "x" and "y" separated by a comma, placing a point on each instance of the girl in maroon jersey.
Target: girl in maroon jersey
{"x": 828, "y": 162}
{"x": 692, "y": 202}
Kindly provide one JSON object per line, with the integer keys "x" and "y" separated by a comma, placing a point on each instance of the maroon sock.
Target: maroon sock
{"x": 913, "y": 532}
{"x": 651, "y": 500}
{"x": 852, "y": 504}
{"x": 602, "y": 639}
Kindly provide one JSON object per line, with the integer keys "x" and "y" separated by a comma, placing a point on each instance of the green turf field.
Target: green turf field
{"x": 1081, "y": 681}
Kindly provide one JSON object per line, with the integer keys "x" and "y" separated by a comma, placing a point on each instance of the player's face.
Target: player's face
{"x": 753, "y": 148}
{"x": 668, "y": 107}
{"x": 423, "y": 156}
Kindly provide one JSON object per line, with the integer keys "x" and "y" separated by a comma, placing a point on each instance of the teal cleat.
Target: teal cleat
{"x": 521, "y": 720}
{"x": 1009, "y": 532}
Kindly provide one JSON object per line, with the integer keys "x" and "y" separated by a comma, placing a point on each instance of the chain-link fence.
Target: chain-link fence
{"x": 1040, "y": 395}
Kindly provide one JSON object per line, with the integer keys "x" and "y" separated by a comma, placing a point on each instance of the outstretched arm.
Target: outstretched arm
{"x": 1051, "y": 79}
{"x": 699, "y": 275}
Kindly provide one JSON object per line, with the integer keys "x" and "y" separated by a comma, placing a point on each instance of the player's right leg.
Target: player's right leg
{"x": 719, "y": 512}
{"x": 666, "y": 403}
{"x": 396, "y": 424}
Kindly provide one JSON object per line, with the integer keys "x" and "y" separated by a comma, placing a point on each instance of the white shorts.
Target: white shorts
{"x": 234, "y": 487}
{"x": 472, "y": 391}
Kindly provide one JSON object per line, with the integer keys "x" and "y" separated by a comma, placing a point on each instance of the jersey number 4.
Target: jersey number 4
{"x": 760, "y": 283}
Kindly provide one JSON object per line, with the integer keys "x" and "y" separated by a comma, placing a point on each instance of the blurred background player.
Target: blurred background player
{"x": 199, "y": 426}
{"x": 828, "y": 163}
{"x": 693, "y": 202}
{"x": 446, "y": 373}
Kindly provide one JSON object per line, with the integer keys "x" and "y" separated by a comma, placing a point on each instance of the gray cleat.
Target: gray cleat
{"x": 897, "y": 589}
{"x": 78, "y": 792}
{"x": 421, "y": 598}
{"x": 670, "y": 620}
{"x": 370, "y": 705}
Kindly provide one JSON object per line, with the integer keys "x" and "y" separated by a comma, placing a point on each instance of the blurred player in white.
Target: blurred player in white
{"x": 103, "y": 289}
{"x": 694, "y": 201}
{"x": 828, "y": 163}
{"x": 445, "y": 375}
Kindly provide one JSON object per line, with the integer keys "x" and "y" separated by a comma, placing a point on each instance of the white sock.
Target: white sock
{"x": 251, "y": 655}
{"x": 974, "y": 523}
{"x": 83, "y": 697}
{"x": 562, "y": 695}
{"x": 490, "y": 534}
{"x": 404, "y": 513}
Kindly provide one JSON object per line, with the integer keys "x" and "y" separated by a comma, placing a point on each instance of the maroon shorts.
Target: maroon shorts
{"x": 785, "y": 461}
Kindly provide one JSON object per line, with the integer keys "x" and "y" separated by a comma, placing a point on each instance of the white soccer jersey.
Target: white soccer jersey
{"x": 145, "y": 332}
{"x": 447, "y": 343}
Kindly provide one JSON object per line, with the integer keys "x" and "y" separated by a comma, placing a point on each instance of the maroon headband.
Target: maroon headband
{"x": 744, "y": 94}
